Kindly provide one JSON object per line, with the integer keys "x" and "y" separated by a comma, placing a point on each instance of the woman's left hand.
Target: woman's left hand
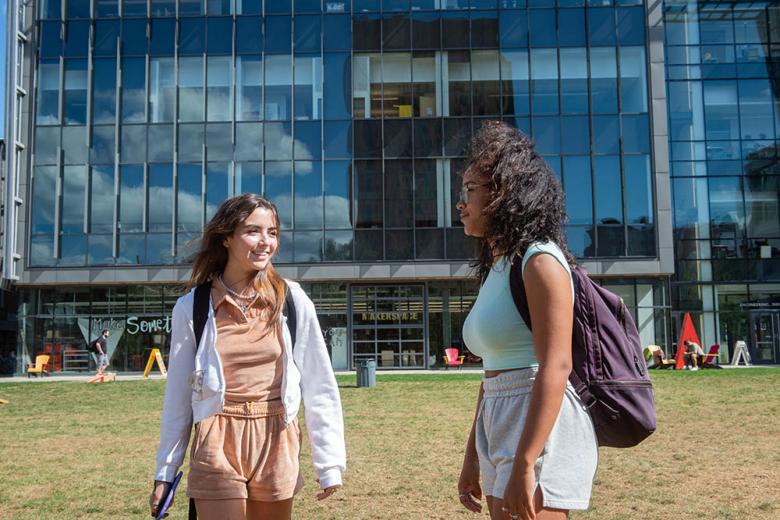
{"x": 519, "y": 495}
{"x": 325, "y": 493}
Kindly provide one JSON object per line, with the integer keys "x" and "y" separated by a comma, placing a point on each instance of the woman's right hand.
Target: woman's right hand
{"x": 469, "y": 490}
{"x": 159, "y": 492}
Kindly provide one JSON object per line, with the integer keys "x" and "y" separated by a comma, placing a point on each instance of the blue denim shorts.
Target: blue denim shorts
{"x": 567, "y": 465}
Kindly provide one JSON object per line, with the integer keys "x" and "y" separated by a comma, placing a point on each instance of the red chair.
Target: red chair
{"x": 708, "y": 360}
{"x": 452, "y": 359}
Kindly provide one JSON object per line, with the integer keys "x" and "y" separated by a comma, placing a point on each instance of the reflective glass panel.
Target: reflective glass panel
{"x": 337, "y": 137}
{"x": 74, "y": 190}
{"x": 189, "y": 188}
{"x": 191, "y": 89}
{"x": 603, "y": 80}
{"x": 75, "y": 95}
{"x": 47, "y": 143}
{"x": 219, "y": 37}
{"x": 606, "y": 170}
{"x": 134, "y": 37}
{"x": 103, "y": 145}
{"x": 192, "y": 36}
{"x": 633, "y": 82}
{"x": 368, "y": 185}
{"x": 338, "y": 189}
{"x": 638, "y": 189}
{"x": 574, "y": 81}
{"x": 44, "y": 193}
{"x": 160, "y": 197}
{"x": 51, "y": 43}
{"x": 308, "y": 195}
{"x": 578, "y": 189}
{"x": 249, "y": 142}
{"x": 74, "y": 144}
{"x": 249, "y": 35}
{"x": 162, "y": 89}
{"x": 131, "y": 198}
{"x": 248, "y": 178}
{"x": 278, "y": 87}
{"x": 337, "y": 32}
{"x": 101, "y": 215}
{"x": 219, "y": 142}
{"x": 278, "y": 189}
{"x": 308, "y": 29}
{"x": 278, "y": 33}
{"x": 77, "y": 39}
{"x": 133, "y": 90}
{"x": 336, "y": 86}
{"x": 515, "y": 82}
{"x": 191, "y": 140}
{"x": 249, "y": 78}
{"x": 106, "y": 34}
{"x": 48, "y": 92}
{"x": 160, "y": 142}
{"x": 219, "y": 97}
{"x": 544, "y": 81}
{"x": 308, "y": 87}
{"x": 485, "y": 83}
{"x": 278, "y": 141}
{"x": 133, "y": 143}
{"x": 217, "y": 189}
{"x": 308, "y": 141}
{"x": 459, "y": 83}
{"x": 103, "y": 90}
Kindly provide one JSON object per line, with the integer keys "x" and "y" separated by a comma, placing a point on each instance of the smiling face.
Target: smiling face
{"x": 254, "y": 242}
{"x": 474, "y": 197}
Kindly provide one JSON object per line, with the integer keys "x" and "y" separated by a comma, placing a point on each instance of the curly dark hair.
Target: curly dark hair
{"x": 527, "y": 203}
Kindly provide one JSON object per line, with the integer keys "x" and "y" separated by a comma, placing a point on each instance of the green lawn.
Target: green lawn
{"x": 75, "y": 450}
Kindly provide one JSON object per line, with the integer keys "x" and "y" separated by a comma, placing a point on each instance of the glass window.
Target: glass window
{"x": 606, "y": 134}
{"x": 544, "y": 81}
{"x": 131, "y": 198}
{"x": 278, "y": 189}
{"x": 308, "y": 246}
{"x": 133, "y": 143}
{"x": 101, "y": 215}
{"x": 574, "y": 81}
{"x": 160, "y": 142}
{"x": 249, "y": 78}
{"x": 484, "y": 29}
{"x": 249, "y": 35}
{"x": 338, "y": 191}
{"x": 459, "y": 83}
{"x": 513, "y": 29}
{"x": 368, "y": 245}
{"x": 366, "y": 32}
{"x": 367, "y": 85}
{"x": 188, "y": 197}
{"x": 103, "y": 145}
{"x": 249, "y": 6}
{"x": 751, "y": 26}
{"x": 609, "y": 208}
{"x": 638, "y": 189}
{"x": 514, "y": 82}
{"x": 308, "y": 195}
{"x": 219, "y": 100}
{"x": 219, "y": 35}
{"x": 457, "y": 133}
{"x": 134, "y": 41}
{"x": 542, "y": 22}
{"x": 278, "y": 33}
{"x": 601, "y": 26}
{"x": 487, "y": 92}
{"x": 192, "y": 36}
{"x": 571, "y": 28}
{"x": 336, "y": 82}
{"x": 278, "y": 141}
{"x": 163, "y": 37}
{"x": 547, "y": 135}
{"x": 218, "y": 7}
{"x": 762, "y": 206}
{"x": 308, "y": 31}
{"x": 427, "y": 138}
{"x": 308, "y": 140}
{"x": 396, "y": 86}
{"x": 603, "y": 80}
{"x": 396, "y": 32}
{"x": 51, "y": 42}
{"x": 368, "y": 138}
{"x": 633, "y": 83}
{"x": 337, "y": 136}
{"x": 190, "y": 142}
{"x": 51, "y": 9}
{"x": 106, "y": 34}
{"x": 217, "y": 189}
{"x": 134, "y": 7}
{"x": 429, "y": 191}
{"x": 191, "y": 7}
{"x": 161, "y": 192}
{"x": 100, "y": 250}
{"x": 48, "y": 92}
{"x": 44, "y": 188}
{"x": 399, "y": 244}
{"x": 279, "y": 6}
{"x": 75, "y": 96}
{"x": 631, "y": 25}
{"x": 337, "y": 33}
{"x": 163, "y": 7}
{"x": 721, "y": 110}
{"x": 104, "y": 90}
{"x": 716, "y": 27}
{"x": 77, "y": 8}
{"x": 455, "y": 30}
{"x": 219, "y": 142}
{"x": 308, "y": 87}
{"x": 368, "y": 185}
{"x": 133, "y": 89}
{"x": 74, "y": 187}
{"x": 162, "y": 89}
{"x": 72, "y": 249}
{"x": 338, "y": 245}
{"x": 398, "y": 138}
{"x": 424, "y": 78}
{"x": 426, "y": 30}
{"x": 249, "y": 142}
{"x": 74, "y": 144}
{"x": 636, "y": 134}
{"x": 727, "y": 211}
{"x": 47, "y": 143}
{"x": 278, "y": 87}
{"x": 579, "y": 190}
{"x": 755, "y": 109}
{"x": 575, "y": 135}
{"x": 248, "y": 178}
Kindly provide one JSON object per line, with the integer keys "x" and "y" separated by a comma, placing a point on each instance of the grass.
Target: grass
{"x": 73, "y": 450}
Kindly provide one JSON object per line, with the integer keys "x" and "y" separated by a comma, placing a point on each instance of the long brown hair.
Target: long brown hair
{"x": 212, "y": 256}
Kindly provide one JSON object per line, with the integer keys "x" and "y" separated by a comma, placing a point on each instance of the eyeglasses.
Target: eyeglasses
{"x": 466, "y": 188}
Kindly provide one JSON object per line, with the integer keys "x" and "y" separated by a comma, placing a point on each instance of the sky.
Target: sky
{"x": 3, "y": 4}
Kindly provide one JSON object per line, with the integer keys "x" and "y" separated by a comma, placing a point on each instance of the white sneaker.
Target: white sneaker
{"x": 693, "y": 369}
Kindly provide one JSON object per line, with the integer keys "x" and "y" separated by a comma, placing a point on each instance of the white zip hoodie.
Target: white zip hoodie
{"x": 196, "y": 388}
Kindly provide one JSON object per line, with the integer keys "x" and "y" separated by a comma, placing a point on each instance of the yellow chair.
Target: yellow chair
{"x": 40, "y": 365}
{"x": 654, "y": 357}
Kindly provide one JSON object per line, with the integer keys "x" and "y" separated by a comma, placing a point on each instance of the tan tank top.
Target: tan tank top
{"x": 251, "y": 356}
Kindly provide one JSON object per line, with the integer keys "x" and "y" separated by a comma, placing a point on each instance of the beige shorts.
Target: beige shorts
{"x": 246, "y": 452}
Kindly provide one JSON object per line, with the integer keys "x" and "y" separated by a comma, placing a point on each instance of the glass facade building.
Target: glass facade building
{"x": 352, "y": 117}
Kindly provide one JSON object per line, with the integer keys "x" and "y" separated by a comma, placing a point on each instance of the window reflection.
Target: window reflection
{"x": 338, "y": 191}
{"x": 308, "y": 87}
{"x": 278, "y": 189}
{"x": 133, "y": 89}
{"x": 104, "y": 90}
{"x": 219, "y": 99}
{"x": 249, "y": 78}
{"x": 75, "y": 95}
{"x": 74, "y": 181}
{"x": 515, "y": 82}
{"x": 162, "y": 89}
{"x": 191, "y": 89}
{"x": 131, "y": 198}
{"x": 485, "y": 83}
{"x": 189, "y": 184}
{"x": 278, "y": 87}
{"x": 367, "y": 85}
{"x": 44, "y": 192}
{"x": 101, "y": 215}
{"x": 217, "y": 189}
{"x": 160, "y": 197}
{"x": 308, "y": 195}
{"x": 48, "y": 92}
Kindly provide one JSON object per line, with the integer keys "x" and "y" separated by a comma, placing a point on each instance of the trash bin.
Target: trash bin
{"x": 366, "y": 373}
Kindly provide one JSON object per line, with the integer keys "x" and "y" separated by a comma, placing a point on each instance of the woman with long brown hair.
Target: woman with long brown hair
{"x": 532, "y": 438}
{"x": 242, "y": 384}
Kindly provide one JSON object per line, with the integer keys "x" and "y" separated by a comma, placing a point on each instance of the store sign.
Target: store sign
{"x": 759, "y": 305}
{"x": 390, "y": 316}
{"x": 136, "y": 325}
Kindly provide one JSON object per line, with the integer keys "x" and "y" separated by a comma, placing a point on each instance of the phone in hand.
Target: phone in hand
{"x": 166, "y": 502}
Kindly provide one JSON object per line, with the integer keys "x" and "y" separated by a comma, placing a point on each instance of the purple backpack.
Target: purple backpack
{"x": 608, "y": 369}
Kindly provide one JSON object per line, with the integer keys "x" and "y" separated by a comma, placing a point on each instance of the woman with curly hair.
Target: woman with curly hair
{"x": 242, "y": 384}
{"x": 532, "y": 437}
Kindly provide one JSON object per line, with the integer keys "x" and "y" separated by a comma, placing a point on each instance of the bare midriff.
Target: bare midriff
{"x": 494, "y": 373}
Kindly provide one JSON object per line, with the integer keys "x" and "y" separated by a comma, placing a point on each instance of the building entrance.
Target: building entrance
{"x": 388, "y": 325}
{"x": 765, "y": 337}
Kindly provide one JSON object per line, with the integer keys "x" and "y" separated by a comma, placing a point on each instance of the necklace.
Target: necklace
{"x": 244, "y": 301}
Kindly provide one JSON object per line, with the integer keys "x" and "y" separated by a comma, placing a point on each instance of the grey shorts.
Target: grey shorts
{"x": 567, "y": 464}
{"x": 100, "y": 359}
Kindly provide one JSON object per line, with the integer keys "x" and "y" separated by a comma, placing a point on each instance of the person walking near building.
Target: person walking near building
{"x": 243, "y": 383}
{"x": 532, "y": 438}
{"x": 99, "y": 351}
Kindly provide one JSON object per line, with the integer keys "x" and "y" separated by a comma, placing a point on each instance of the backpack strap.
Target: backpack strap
{"x": 289, "y": 311}
{"x": 200, "y": 310}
